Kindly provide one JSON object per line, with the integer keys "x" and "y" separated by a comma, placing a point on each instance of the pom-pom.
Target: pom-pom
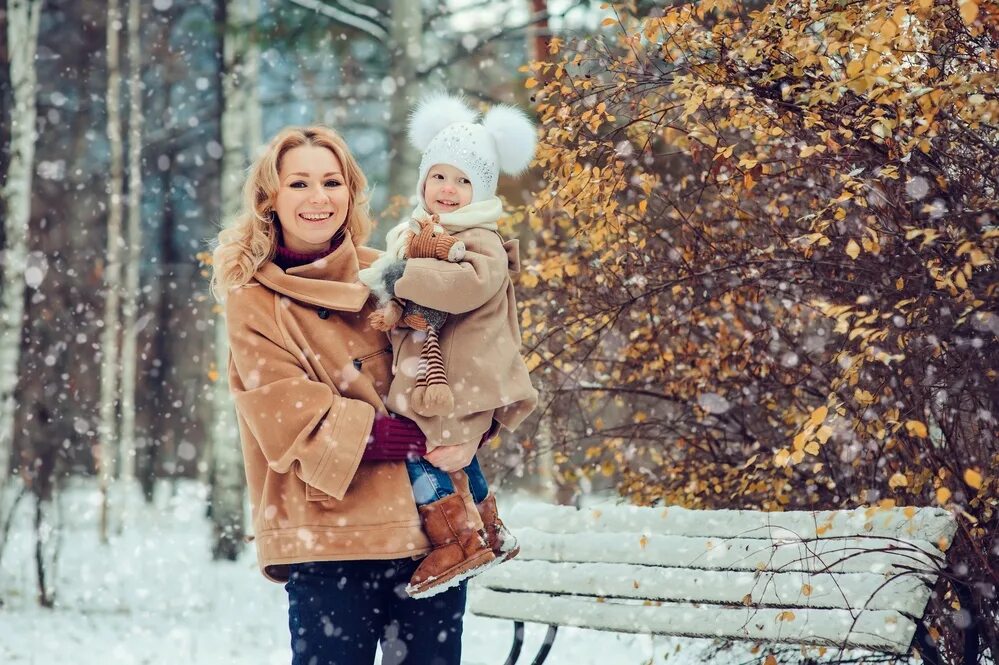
{"x": 514, "y": 135}
{"x": 433, "y": 114}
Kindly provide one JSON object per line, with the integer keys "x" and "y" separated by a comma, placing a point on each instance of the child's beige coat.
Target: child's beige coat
{"x": 480, "y": 341}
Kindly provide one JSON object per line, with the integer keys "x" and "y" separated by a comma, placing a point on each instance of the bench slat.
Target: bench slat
{"x": 873, "y": 629}
{"x": 907, "y": 594}
{"x": 931, "y": 524}
{"x": 842, "y": 555}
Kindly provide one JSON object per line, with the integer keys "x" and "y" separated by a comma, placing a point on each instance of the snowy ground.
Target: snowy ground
{"x": 155, "y": 596}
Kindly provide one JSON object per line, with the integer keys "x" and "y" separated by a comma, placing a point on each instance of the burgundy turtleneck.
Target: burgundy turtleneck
{"x": 285, "y": 258}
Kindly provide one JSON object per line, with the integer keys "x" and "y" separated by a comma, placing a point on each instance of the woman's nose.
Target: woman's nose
{"x": 318, "y": 195}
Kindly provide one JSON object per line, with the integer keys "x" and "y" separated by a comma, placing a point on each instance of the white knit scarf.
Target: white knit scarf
{"x": 481, "y": 215}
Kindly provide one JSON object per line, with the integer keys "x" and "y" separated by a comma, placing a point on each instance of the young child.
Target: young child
{"x": 449, "y": 306}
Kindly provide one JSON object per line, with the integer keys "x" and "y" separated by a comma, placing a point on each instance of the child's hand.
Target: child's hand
{"x": 452, "y": 458}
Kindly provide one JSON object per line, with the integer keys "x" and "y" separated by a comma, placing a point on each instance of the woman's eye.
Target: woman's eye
{"x": 466, "y": 181}
{"x": 333, "y": 183}
{"x": 298, "y": 184}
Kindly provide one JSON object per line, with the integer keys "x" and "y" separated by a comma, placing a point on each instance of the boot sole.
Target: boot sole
{"x": 435, "y": 586}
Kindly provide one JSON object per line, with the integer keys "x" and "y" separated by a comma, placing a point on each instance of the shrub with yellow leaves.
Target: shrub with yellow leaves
{"x": 765, "y": 272}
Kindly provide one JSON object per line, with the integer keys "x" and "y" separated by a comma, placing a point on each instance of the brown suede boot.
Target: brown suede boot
{"x": 460, "y": 551}
{"x": 501, "y": 541}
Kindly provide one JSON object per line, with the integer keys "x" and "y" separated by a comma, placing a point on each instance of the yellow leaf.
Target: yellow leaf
{"x": 608, "y": 21}
{"x": 747, "y": 600}
{"x": 852, "y": 249}
{"x": 973, "y": 478}
{"x": 799, "y": 440}
{"x": 782, "y": 457}
{"x": 817, "y": 416}
{"x": 898, "y": 480}
{"x": 916, "y": 429}
{"x": 531, "y": 83}
{"x": 642, "y": 542}
{"x": 969, "y": 10}
{"x": 855, "y": 67}
{"x": 943, "y": 495}
{"x": 863, "y": 397}
{"x": 786, "y": 615}
{"x": 812, "y": 448}
{"x": 824, "y": 433}
{"x": 806, "y": 589}
{"x": 213, "y": 375}
{"x": 899, "y": 284}
{"x": 889, "y": 29}
{"x": 770, "y": 660}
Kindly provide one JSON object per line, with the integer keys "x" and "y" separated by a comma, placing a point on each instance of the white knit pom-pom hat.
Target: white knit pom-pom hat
{"x": 444, "y": 129}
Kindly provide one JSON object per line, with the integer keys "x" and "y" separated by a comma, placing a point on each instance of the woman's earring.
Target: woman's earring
{"x": 272, "y": 217}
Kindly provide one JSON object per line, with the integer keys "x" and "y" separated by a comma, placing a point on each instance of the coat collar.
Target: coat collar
{"x": 327, "y": 282}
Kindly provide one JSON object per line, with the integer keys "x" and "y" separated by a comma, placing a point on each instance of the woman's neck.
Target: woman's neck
{"x": 288, "y": 258}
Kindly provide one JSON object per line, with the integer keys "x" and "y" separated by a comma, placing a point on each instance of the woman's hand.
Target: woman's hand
{"x": 452, "y": 458}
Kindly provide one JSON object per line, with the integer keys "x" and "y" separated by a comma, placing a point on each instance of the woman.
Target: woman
{"x": 333, "y": 509}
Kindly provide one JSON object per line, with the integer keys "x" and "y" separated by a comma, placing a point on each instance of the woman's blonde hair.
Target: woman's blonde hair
{"x": 252, "y": 238}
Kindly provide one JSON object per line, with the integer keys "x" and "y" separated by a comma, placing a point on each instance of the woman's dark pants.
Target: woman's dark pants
{"x": 339, "y": 610}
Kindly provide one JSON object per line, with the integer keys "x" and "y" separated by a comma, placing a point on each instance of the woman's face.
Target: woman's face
{"x": 313, "y": 198}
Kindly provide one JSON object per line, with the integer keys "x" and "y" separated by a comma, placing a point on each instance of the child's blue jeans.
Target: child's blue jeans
{"x": 431, "y": 484}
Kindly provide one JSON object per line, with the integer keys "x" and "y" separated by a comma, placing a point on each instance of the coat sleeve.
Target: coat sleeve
{"x": 460, "y": 287}
{"x": 301, "y": 426}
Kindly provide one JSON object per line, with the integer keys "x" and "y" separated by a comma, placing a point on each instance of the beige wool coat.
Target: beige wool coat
{"x": 480, "y": 342}
{"x": 308, "y": 374}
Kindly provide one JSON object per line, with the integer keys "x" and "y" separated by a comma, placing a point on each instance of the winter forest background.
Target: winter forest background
{"x": 759, "y": 246}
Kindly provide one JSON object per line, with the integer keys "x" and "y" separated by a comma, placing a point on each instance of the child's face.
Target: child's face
{"x": 446, "y": 189}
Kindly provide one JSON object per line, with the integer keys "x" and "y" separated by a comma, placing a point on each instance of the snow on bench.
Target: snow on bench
{"x": 852, "y": 578}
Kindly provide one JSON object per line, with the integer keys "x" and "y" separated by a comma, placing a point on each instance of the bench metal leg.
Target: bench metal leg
{"x": 547, "y": 646}
{"x": 518, "y": 644}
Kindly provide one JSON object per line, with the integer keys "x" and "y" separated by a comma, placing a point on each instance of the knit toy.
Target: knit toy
{"x": 424, "y": 239}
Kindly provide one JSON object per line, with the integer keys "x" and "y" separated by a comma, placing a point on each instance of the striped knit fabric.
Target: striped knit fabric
{"x": 436, "y": 375}
{"x": 421, "y": 372}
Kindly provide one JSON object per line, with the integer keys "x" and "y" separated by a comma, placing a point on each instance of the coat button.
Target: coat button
{"x": 323, "y": 313}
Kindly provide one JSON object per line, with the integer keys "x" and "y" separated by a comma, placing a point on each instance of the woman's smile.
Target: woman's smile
{"x": 315, "y": 217}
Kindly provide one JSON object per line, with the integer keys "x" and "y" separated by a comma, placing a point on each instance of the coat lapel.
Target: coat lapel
{"x": 327, "y": 282}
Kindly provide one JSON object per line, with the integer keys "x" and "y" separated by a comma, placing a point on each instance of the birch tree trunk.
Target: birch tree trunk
{"x": 130, "y": 307}
{"x": 23, "y": 18}
{"x": 107, "y": 428}
{"x": 406, "y": 49}
{"x": 240, "y": 113}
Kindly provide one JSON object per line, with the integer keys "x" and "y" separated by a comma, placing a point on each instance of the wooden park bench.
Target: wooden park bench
{"x": 845, "y": 579}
